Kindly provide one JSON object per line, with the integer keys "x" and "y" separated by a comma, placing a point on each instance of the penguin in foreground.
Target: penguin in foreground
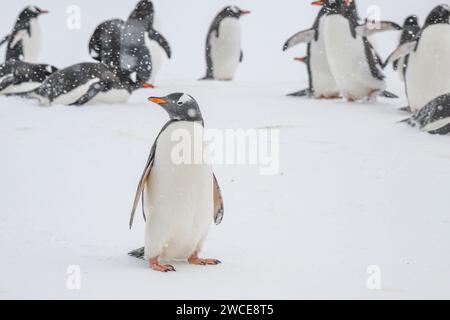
{"x": 18, "y": 76}
{"x": 125, "y": 44}
{"x": 223, "y": 44}
{"x": 322, "y": 83}
{"x": 180, "y": 199}
{"x": 427, "y": 75}
{"x": 353, "y": 60}
{"x": 24, "y": 42}
{"x": 85, "y": 83}
{"x": 434, "y": 117}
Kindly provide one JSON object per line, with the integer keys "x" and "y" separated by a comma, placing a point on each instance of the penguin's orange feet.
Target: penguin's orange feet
{"x": 154, "y": 264}
{"x": 194, "y": 259}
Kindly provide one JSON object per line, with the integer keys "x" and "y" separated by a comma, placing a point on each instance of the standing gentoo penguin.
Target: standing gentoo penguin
{"x": 127, "y": 44}
{"x": 85, "y": 83}
{"x": 427, "y": 75}
{"x": 180, "y": 199}
{"x": 411, "y": 30}
{"x": 24, "y": 42}
{"x": 434, "y": 117}
{"x": 353, "y": 60}
{"x": 17, "y": 76}
{"x": 322, "y": 83}
{"x": 223, "y": 44}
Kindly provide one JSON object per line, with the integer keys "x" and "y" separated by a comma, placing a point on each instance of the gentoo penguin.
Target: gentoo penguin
{"x": 17, "y": 76}
{"x": 181, "y": 199}
{"x": 322, "y": 84}
{"x": 434, "y": 117}
{"x": 127, "y": 44}
{"x": 24, "y": 42}
{"x": 411, "y": 30}
{"x": 427, "y": 75}
{"x": 353, "y": 60}
{"x": 85, "y": 83}
{"x": 223, "y": 44}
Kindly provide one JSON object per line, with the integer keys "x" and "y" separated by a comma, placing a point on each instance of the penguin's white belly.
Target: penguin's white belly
{"x": 32, "y": 44}
{"x": 348, "y": 60}
{"x": 75, "y": 94}
{"x": 178, "y": 200}
{"x": 157, "y": 56}
{"x": 322, "y": 79}
{"x": 111, "y": 97}
{"x": 427, "y": 76}
{"x": 23, "y": 87}
{"x": 226, "y": 49}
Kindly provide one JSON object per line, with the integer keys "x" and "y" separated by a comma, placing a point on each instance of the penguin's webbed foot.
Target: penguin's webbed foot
{"x": 194, "y": 259}
{"x": 154, "y": 264}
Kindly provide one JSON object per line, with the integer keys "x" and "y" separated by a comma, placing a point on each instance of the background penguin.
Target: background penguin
{"x": 18, "y": 76}
{"x": 181, "y": 200}
{"x": 322, "y": 83}
{"x": 427, "y": 75}
{"x": 123, "y": 45}
{"x": 24, "y": 42}
{"x": 85, "y": 83}
{"x": 223, "y": 44}
{"x": 347, "y": 46}
{"x": 434, "y": 117}
{"x": 411, "y": 30}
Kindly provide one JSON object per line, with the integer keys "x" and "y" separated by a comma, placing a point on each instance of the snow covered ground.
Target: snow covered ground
{"x": 355, "y": 189}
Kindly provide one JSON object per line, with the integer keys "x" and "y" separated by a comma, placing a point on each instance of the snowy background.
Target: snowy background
{"x": 355, "y": 188}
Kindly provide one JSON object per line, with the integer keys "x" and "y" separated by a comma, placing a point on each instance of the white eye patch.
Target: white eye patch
{"x": 183, "y": 99}
{"x": 235, "y": 9}
{"x": 33, "y": 9}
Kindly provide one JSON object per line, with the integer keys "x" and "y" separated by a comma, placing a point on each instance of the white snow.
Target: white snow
{"x": 355, "y": 188}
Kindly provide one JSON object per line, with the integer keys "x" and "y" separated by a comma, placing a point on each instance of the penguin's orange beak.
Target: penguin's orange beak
{"x": 148, "y": 86}
{"x": 158, "y": 100}
{"x": 318, "y": 3}
{"x": 244, "y": 12}
{"x": 301, "y": 59}
{"x": 44, "y": 11}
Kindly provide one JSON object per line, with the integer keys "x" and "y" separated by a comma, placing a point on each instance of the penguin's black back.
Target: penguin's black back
{"x": 106, "y": 43}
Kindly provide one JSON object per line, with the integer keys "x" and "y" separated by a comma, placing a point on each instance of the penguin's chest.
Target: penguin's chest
{"x": 73, "y": 94}
{"x": 32, "y": 43}
{"x": 22, "y": 87}
{"x": 112, "y": 96}
{"x": 348, "y": 59}
{"x": 427, "y": 76}
{"x": 226, "y": 49}
{"x": 179, "y": 194}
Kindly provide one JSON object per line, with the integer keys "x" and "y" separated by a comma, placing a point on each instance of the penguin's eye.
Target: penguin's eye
{"x": 180, "y": 103}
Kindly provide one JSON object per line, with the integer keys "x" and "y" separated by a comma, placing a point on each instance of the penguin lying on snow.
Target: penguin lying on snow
{"x": 18, "y": 76}
{"x": 434, "y": 117}
{"x": 223, "y": 44}
{"x": 127, "y": 44}
{"x": 86, "y": 83}
{"x": 427, "y": 75}
{"x": 24, "y": 41}
{"x": 181, "y": 200}
{"x": 322, "y": 83}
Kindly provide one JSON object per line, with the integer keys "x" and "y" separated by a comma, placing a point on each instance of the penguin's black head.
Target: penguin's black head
{"x": 234, "y": 12}
{"x": 336, "y": 6}
{"x": 143, "y": 11}
{"x": 31, "y": 12}
{"x": 411, "y": 21}
{"x": 439, "y": 15}
{"x": 179, "y": 106}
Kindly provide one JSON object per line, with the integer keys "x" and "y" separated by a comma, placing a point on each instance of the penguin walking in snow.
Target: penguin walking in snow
{"x": 85, "y": 83}
{"x": 354, "y": 62}
{"x": 434, "y": 117}
{"x": 427, "y": 75}
{"x": 180, "y": 199}
{"x": 24, "y": 42}
{"x": 132, "y": 44}
{"x": 322, "y": 83}
{"x": 223, "y": 44}
{"x": 18, "y": 77}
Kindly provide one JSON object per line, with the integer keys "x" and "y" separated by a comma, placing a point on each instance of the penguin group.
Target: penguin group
{"x": 181, "y": 202}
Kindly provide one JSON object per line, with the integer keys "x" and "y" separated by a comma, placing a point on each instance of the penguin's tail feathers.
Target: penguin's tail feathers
{"x": 138, "y": 253}
{"x": 302, "y": 93}
{"x": 388, "y": 94}
{"x": 407, "y": 121}
{"x": 33, "y": 95}
{"x": 206, "y": 78}
{"x": 406, "y": 109}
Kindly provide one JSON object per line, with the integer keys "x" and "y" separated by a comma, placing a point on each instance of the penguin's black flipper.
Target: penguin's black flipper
{"x": 300, "y": 37}
{"x": 370, "y": 28}
{"x": 402, "y": 51}
{"x": 156, "y": 36}
{"x": 389, "y": 95}
{"x": 406, "y": 109}
{"x": 138, "y": 253}
{"x": 302, "y": 93}
{"x": 241, "y": 58}
{"x": 4, "y": 40}
{"x": 94, "y": 90}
